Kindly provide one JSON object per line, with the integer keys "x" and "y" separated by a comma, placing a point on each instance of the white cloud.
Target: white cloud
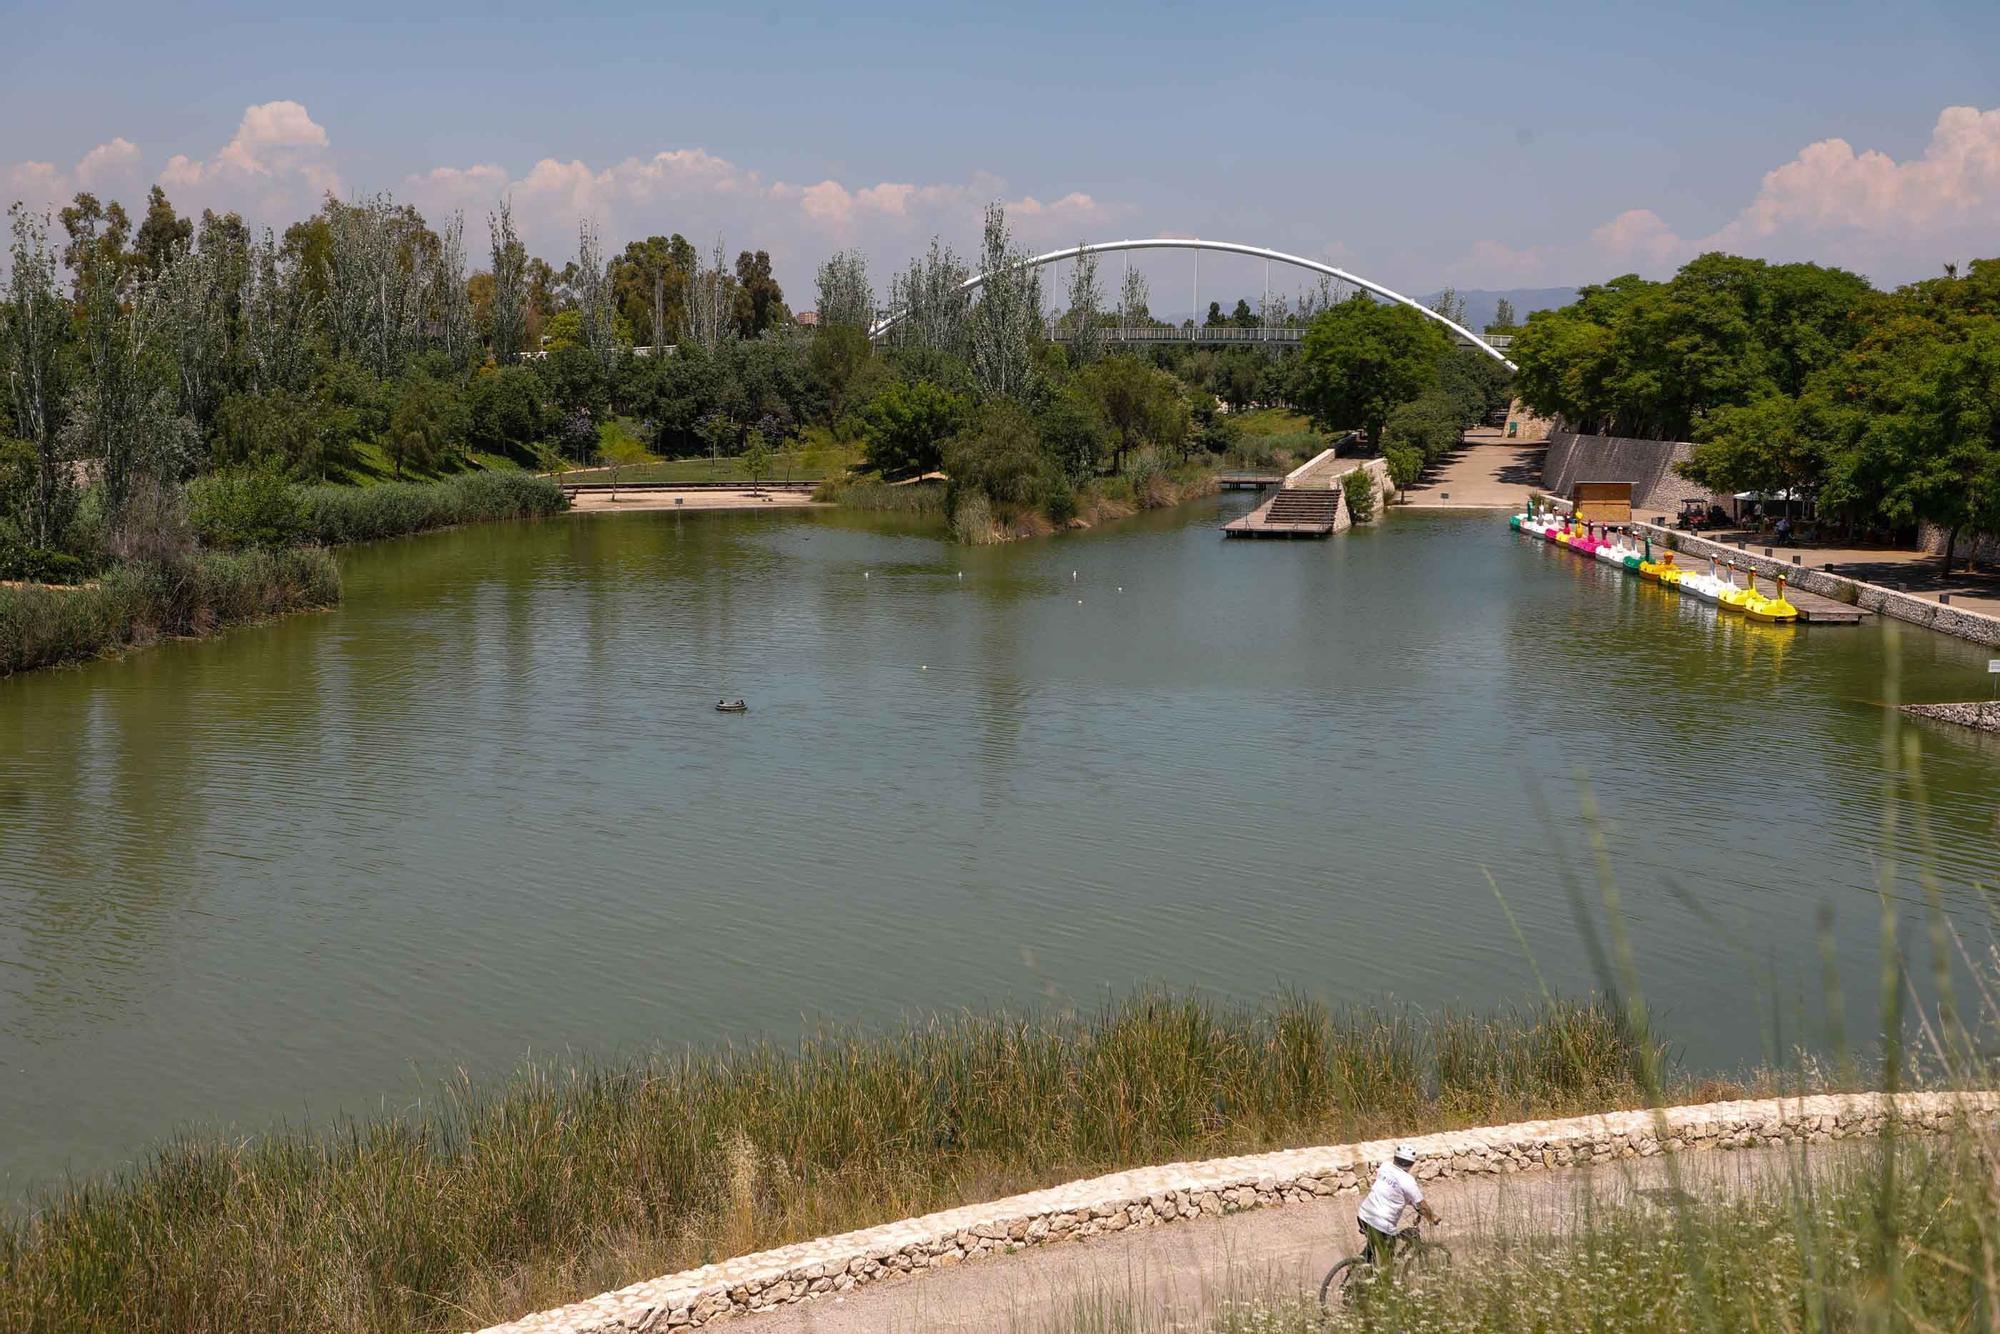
{"x": 277, "y": 167}
{"x": 1892, "y": 220}
{"x": 105, "y": 169}
{"x": 703, "y": 196}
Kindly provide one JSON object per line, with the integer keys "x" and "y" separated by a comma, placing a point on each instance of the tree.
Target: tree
{"x": 1140, "y": 406}
{"x": 593, "y": 299}
{"x": 1006, "y": 321}
{"x": 907, "y": 425}
{"x": 1241, "y": 316}
{"x": 1418, "y": 434}
{"x": 1450, "y": 305}
{"x": 1085, "y": 337}
{"x": 756, "y": 458}
{"x": 999, "y": 456}
{"x": 427, "y": 424}
{"x": 162, "y": 235}
{"x": 451, "y": 300}
{"x": 1214, "y": 320}
{"x": 622, "y": 451}
{"x": 759, "y": 301}
{"x": 36, "y": 330}
{"x": 1358, "y": 486}
{"x": 1503, "y": 317}
{"x": 1132, "y": 295}
{"x": 507, "y": 411}
{"x": 846, "y": 300}
{"x": 1072, "y": 435}
{"x": 711, "y": 301}
{"x": 97, "y": 234}
{"x": 932, "y": 298}
{"x": 1362, "y": 360}
{"x": 509, "y": 261}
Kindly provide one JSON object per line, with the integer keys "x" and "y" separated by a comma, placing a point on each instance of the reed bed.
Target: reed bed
{"x": 136, "y": 603}
{"x": 481, "y": 1204}
{"x": 336, "y": 514}
{"x": 922, "y": 498}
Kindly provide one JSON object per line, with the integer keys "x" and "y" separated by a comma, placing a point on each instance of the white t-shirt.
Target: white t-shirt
{"x": 1394, "y": 1191}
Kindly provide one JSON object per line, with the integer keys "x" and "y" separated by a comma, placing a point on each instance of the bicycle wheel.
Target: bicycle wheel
{"x": 1428, "y": 1255}
{"x": 1334, "y": 1287}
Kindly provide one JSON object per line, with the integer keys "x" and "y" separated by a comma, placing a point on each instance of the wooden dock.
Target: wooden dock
{"x": 1248, "y": 481}
{"x": 1291, "y": 513}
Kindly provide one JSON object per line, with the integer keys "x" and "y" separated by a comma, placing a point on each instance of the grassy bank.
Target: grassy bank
{"x": 133, "y": 604}
{"x": 870, "y": 493}
{"x": 336, "y": 514}
{"x": 478, "y": 1206}
{"x": 1895, "y": 1240}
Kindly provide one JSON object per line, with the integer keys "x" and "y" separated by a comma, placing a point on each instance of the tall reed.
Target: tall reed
{"x": 482, "y": 1204}
{"x": 336, "y": 514}
{"x": 135, "y": 603}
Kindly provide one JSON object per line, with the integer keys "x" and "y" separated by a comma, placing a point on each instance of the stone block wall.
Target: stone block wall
{"x": 1647, "y": 464}
{"x": 1157, "y": 1196}
{"x": 1962, "y": 622}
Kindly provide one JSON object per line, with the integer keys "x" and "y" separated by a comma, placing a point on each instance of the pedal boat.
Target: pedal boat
{"x": 1774, "y": 611}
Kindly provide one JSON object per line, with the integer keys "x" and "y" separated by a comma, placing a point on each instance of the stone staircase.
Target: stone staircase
{"x": 1293, "y": 512}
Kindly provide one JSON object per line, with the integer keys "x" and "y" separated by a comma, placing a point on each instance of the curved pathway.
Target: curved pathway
{"x": 818, "y": 1278}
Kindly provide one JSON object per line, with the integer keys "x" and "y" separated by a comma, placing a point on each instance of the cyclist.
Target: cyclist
{"x": 1382, "y": 1212}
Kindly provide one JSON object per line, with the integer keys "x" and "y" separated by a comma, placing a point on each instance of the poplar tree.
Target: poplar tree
{"x": 510, "y": 298}
{"x": 1004, "y": 323}
{"x": 36, "y": 325}
{"x": 1086, "y": 340}
{"x": 845, "y": 298}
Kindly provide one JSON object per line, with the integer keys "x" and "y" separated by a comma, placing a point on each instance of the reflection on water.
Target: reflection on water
{"x": 487, "y": 808}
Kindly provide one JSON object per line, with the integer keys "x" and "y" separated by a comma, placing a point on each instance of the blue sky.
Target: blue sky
{"x": 1484, "y": 145}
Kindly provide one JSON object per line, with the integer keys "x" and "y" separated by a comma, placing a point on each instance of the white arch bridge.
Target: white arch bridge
{"x": 1198, "y": 333}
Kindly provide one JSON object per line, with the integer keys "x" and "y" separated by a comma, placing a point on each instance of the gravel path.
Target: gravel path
{"x": 1183, "y": 1272}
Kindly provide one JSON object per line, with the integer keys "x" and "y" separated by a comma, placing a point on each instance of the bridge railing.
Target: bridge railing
{"x": 1214, "y": 333}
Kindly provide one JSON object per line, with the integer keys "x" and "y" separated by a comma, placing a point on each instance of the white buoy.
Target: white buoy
{"x": 1072, "y": 576}
{"x": 1079, "y": 602}
{"x": 926, "y": 667}
{"x": 961, "y": 574}
{"x": 864, "y": 574}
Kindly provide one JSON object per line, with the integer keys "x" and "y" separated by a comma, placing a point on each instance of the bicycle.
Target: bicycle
{"x": 1409, "y": 1250}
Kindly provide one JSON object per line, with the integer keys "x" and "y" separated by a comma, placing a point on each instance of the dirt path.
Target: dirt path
{"x": 1182, "y": 1272}
{"x": 602, "y": 502}
{"x": 1481, "y": 474}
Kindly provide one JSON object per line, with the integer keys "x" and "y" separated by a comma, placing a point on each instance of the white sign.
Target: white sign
{"x": 1993, "y": 664}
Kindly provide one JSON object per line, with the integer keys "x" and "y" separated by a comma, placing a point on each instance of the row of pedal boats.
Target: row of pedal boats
{"x": 1614, "y": 547}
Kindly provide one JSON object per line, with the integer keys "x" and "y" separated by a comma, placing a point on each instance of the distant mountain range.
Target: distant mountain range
{"x": 1479, "y": 306}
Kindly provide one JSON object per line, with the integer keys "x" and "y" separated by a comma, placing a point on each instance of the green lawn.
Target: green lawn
{"x": 809, "y": 465}
{"x": 1272, "y": 421}
{"x": 371, "y": 465}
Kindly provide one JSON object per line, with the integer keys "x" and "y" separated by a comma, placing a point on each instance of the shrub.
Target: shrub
{"x": 252, "y": 508}
{"x": 1359, "y": 487}
{"x": 37, "y": 565}
{"x": 1406, "y": 464}
{"x": 145, "y": 600}
{"x": 335, "y": 514}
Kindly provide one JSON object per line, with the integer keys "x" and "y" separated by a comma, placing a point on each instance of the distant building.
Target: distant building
{"x": 809, "y": 318}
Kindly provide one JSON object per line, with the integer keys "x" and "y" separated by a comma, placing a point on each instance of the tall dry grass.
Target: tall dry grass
{"x": 484, "y": 1204}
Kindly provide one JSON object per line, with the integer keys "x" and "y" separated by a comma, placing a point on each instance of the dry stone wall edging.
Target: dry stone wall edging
{"x": 1175, "y": 1192}
{"x": 1962, "y": 622}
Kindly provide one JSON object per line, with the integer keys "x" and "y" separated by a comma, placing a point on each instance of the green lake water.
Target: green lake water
{"x": 487, "y": 811}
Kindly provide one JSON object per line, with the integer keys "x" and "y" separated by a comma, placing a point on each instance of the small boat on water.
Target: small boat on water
{"x": 1734, "y": 596}
{"x": 1655, "y": 570}
{"x": 1707, "y": 587}
{"x": 1619, "y": 551}
{"x": 731, "y": 706}
{"x": 1770, "y": 610}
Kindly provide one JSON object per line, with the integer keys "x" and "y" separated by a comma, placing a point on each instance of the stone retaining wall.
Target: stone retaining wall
{"x": 1647, "y": 464}
{"x": 1155, "y": 1196}
{"x": 1982, "y": 716}
{"x": 1973, "y": 625}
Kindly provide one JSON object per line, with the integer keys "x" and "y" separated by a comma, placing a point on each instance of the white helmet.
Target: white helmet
{"x": 1405, "y": 1154}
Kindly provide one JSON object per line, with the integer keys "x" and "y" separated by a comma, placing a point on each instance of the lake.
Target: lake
{"x": 487, "y": 811}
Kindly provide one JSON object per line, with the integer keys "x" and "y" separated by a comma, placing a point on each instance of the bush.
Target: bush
{"x": 37, "y": 565}
{"x": 246, "y": 509}
{"x": 1359, "y": 488}
{"x": 146, "y": 600}
{"x": 1406, "y": 464}
{"x": 505, "y": 410}
{"x": 335, "y": 514}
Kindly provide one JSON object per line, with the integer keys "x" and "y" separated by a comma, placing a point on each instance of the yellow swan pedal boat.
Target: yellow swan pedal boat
{"x": 1735, "y": 597}
{"x": 1771, "y": 610}
{"x": 1651, "y": 569}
